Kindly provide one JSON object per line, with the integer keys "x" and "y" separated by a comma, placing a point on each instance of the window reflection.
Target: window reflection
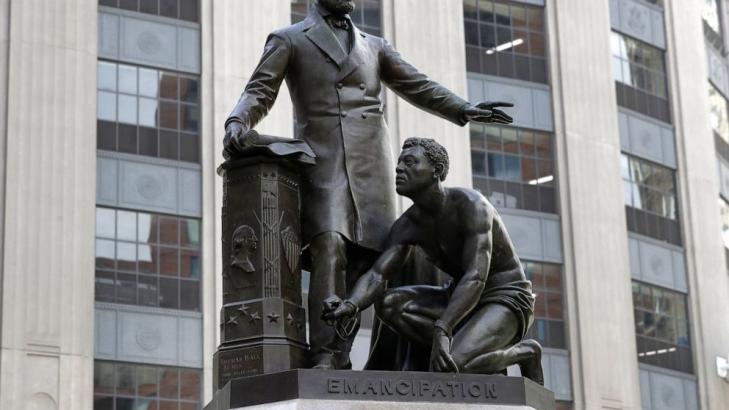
{"x": 718, "y": 115}
{"x": 514, "y": 167}
{"x": 649, "y": 187}
{"x": 661, "y": 326}
{"x": 145, "y": 386}
{"x": 505, "y": 39}
{"x": 147, "y": 259}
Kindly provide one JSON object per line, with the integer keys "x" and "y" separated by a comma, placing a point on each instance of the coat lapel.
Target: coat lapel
{"x": 320, "y": 34}
{"x": 356, "y": 57}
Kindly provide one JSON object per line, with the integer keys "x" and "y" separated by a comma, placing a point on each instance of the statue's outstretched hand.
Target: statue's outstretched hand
{"x": 487, "y": 112}
{"x": 440, "y": 354}
{"x": 237, "y": 138}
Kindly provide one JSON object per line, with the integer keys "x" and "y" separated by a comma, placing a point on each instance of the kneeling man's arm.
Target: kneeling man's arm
{"x": 476, "y": 259}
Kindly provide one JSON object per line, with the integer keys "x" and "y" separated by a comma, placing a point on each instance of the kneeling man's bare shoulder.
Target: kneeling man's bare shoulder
{"x": 476, "y": 212}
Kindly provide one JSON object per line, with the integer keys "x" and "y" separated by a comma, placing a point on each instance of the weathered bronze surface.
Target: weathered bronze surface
{"x": 334, "y": 74}
{"x": 477, "y": 322}
{"x": 262, "y": 322}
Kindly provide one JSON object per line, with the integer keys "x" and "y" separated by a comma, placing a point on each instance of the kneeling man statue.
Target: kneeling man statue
{"x": 477, "y": 322}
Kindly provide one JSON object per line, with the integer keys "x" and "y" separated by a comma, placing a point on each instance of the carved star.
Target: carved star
{"x": 232, "y": 321}
{"x": 253, "y": 317}
{"x": 243, "y": 309}
{"x": 273, "y": 317}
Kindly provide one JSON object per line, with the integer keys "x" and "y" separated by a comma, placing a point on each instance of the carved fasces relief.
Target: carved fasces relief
{"x": 243, "y": 247}
{"x": 292, "y": 252}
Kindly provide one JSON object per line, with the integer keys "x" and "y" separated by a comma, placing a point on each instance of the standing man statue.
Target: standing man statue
{"x": 477, "y": 323}
{"x": 334, "y": 74}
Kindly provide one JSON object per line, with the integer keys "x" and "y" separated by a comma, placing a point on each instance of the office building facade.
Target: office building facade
{"x": 613, "y": 182}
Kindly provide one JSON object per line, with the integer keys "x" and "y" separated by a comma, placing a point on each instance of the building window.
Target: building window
{"x": 650, "y": 199}
{"x": 662, "y": 327}
{"x": 188, "y": 10}
{"x": 724, "y": 209}
{"x": 147, "y": 259}
{"x": 126, "y": 386}
{"x": 505, "y": 39}
{"x": 711, "y": 12}
{"x": 366, "y": 15}
{"x": 640, "y": 77}
{"x": 718, "y": 114}
{"x": 148, "y": 112}
{"x": 548, "y": 328}
{"x": 514, "y": 167}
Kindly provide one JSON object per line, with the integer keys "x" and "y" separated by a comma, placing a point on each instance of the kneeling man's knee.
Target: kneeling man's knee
{"x": 391, "y": 306}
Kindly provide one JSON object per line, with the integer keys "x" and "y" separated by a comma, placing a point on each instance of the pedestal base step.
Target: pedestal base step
{"x": 345, "y": 389}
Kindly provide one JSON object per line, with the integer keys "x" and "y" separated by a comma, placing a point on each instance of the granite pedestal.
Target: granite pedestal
{"x": 346, "y": 389}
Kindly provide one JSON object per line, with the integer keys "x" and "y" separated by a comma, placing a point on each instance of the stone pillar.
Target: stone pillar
{"x": 597, "y": 273}
{"x": 699, "y": 190}
{"x": 262, "y": 322}
{"x": 233, "y": 33}
{"x": 48, "y": 90}
{"x": 429, "y": 35}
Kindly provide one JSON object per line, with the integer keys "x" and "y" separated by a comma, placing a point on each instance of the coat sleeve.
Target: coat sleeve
{"x": 417, "y": 88}
{"x": 262, "y": 88}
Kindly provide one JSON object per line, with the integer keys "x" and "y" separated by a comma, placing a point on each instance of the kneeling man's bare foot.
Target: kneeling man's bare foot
{"x": 531, "y": 367}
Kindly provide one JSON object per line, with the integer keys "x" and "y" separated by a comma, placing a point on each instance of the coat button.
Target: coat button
{"x": 364, "y": 115}
{"x": 343, "y": 114}
{"x": 340, "y": 85}
{"x": 362, "y": 86}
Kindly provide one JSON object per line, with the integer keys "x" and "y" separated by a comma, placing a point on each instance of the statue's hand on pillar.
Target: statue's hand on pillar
{"x": 237, "y": 138}
{"x": 486, "y": 112}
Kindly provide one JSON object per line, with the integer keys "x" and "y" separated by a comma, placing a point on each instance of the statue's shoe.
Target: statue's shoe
{"x": 329, "y": 361}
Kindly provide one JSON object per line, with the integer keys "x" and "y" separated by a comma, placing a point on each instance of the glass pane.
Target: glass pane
{"x": 168, "y": 86}
{"x": 105, "y": 223}
{"x": 103, "y": 377}
{"x": 168, "y": 115}
{"x": 478, "y": 162}
{"x": 189, "y": 90}
{"x": 148, "y": 112}
{"x": 147, "y": 228}
{"x": 147, "y": 291}
{"x": 189, "y": 117}
{"x": 189, "y": 10}
{"x": 127, "y": 79}
{"x": 124, "y": 404}
{"x": 168, "y": 258}
{"x": 168, "y": 293}
{"x": 168, "y": 231}
{"x": 125, "y": 380}
{"x": 544, "y": 145}
{"x": 147, "y": 257}
{"x": 552, "y": 276}
{"x": 126, "y": 225}
{"x": 106, "y": 106}
{"x": 126, "y": 291}
{"x": 126, "y": 256}
{"x": 189, "y": 147}
{"x": 168, "y": 382}
{"x": 190, "y": 383}
{"x": 146, "y": 381}
{"x": 189, "y": 263}
{"x": 189, "y": 295}
{"x": 106, "y": 79}
{"x": 168, "y": 144}
{"x": 148, "y": 82}
{"x": 105, "y": 254}
{"x": 168, "y": 8}
{"x": 127, "y": 109}
{"x": 190, "y": 233}
{"x": 104, "y": 286}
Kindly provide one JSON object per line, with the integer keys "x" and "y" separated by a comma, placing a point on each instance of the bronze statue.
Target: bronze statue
{"x": 476, "y": 323}
{"x": 334, "y": 74}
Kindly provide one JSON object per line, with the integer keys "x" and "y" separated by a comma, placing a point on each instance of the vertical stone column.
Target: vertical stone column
{"x": 48, "y": 74}
{"x": 699, "y": 189}
{"x": 233, "y": 36}
{"x": 429, "y": 35}
{"x": 597, "y": 274}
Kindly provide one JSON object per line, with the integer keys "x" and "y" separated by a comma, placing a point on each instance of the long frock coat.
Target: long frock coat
{"x": 338, "y": 112}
